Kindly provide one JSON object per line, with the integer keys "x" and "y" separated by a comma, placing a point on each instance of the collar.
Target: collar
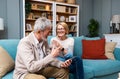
{"x": 35, "y": 39}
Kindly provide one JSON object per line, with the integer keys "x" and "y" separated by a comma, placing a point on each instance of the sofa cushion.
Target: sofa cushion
{"x": 109, "y": 48}
{"x": 49, "y": 38}
{"x": 8, "y": 76}
{"x": 6, "y": 62}
{"x": 78, "y": 46}
{"x": 102, "y": 67}
{"x": 10, "y": 45}
{"x": 93, "y": 49}
{"x": 117, "y": 53}
{"x": 88, "y": 72}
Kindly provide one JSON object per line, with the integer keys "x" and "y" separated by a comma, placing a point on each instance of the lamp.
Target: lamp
{"x": 116, "y": 23}
{"x": 1, "y": 24}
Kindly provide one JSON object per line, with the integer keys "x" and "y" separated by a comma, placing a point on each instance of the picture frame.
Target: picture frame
{"x": 73, "y": 27}
{"x": 28, "y": 27}
{"x": 72, "y": 18}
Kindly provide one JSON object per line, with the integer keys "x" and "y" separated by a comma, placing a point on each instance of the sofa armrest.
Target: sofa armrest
{"x": 117, "y": 53}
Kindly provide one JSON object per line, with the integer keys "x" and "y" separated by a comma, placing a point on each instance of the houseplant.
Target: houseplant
{"x": 93, "y": 28}
{"x": 27, "y": 8}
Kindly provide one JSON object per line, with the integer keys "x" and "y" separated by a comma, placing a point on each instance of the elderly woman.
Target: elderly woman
{"x": 67, "y": 44}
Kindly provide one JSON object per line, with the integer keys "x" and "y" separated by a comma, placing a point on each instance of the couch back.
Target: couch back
{"x": 10, "y": 45}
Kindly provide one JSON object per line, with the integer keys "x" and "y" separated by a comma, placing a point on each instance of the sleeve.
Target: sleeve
{"x": 70, "y": 49}
{"x": 56, "y": 63}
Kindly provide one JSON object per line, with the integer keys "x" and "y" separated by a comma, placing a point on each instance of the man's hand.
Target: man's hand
{"x": 55, "y": 51}
{"x": 66, "y": 63}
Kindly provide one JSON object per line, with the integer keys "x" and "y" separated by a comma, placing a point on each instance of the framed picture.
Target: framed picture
{"x": 72, "y": 18}
{"x": 28, "y": 27}
{"x": 73, "y": 27}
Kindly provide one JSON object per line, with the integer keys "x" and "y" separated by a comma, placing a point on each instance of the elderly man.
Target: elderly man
{"x": 34, "y": 61}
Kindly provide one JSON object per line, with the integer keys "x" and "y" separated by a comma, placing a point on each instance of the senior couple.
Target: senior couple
{"x": 36, "y": 59}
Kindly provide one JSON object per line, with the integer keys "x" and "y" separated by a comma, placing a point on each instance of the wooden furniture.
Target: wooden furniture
{"x": 56, "y": 12}
{"x": 68, "y": 13}
{"x": 38, "y": 9}
{"x": 113, "y": 38}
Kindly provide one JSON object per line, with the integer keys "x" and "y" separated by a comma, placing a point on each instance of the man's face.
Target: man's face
{"x": 46, "y": 33}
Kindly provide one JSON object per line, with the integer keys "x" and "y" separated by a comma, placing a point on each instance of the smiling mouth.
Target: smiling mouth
{"x": 60, "y": 32}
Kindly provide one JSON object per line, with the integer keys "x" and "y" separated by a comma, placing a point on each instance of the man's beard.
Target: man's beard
{"x": 44, "y": 38}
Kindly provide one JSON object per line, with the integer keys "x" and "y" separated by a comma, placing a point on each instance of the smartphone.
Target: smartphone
{"x": 72, "y": 58}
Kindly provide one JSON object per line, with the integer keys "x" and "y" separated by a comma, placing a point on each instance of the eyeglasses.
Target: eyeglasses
{"x": 60, "y": 29}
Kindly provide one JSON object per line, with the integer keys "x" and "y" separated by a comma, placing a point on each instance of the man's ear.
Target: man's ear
{"x": 39, "y": 31}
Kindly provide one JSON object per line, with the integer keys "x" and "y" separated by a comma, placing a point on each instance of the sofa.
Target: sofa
{"x": 93, "y": 69}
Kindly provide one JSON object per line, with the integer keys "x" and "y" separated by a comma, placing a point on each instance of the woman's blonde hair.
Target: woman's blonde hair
{"x": 64, "y": 25}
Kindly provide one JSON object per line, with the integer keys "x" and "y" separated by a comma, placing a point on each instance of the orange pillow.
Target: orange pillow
{"x": 93, "y": 49}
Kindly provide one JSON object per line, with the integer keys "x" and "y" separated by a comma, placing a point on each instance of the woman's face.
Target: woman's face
{"x": 60, "y": 30}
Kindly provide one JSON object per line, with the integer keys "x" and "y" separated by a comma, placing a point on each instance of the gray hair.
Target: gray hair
{"x": 42, "y": 23}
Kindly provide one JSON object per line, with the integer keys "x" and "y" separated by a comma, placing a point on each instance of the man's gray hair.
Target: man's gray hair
{"x": 42, "y": 23}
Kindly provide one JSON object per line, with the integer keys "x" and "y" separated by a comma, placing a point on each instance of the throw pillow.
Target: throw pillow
{"x": 93, "y": 49}
{"x": 6, "y": 62}
{"x": 109, "y": 48}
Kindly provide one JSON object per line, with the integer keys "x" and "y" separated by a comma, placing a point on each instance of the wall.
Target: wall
{"x": 13, "y": 17}
{"x": 9, "y": 10}
{"x": 103, "y": 11}
{"x": 3, "y": 14}
{"x": 86, "y": 9}
{"x": 115, "y": 9}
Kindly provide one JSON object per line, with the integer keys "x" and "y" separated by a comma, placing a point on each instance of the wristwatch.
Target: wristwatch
{"x": 62, "y": 49}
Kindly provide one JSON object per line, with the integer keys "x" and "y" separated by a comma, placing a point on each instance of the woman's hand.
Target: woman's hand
{"x": 66, "y": 63}
{"x": 56, "y": 44}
